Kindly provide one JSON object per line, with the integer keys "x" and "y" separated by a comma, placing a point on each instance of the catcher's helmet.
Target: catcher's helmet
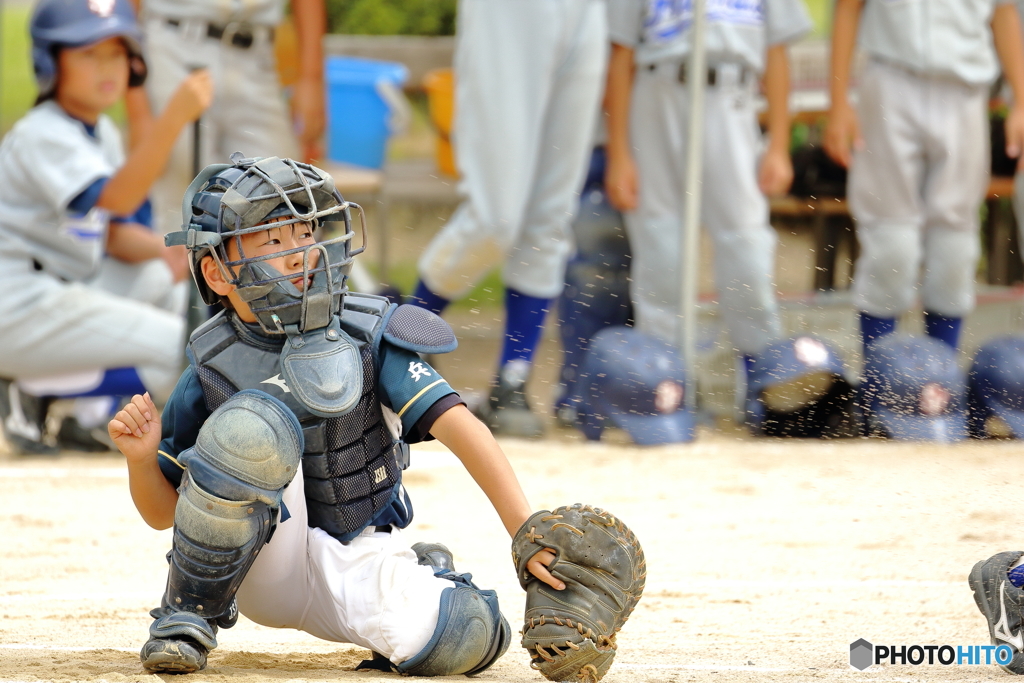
{"x": 635, "y": 382}
{"x": 798, "y": 388}
{"x": 226, "y": 201}
{"x": 76, "y": 23}
{"x": 913, "y": 389}
{"x": 995, "y": 388}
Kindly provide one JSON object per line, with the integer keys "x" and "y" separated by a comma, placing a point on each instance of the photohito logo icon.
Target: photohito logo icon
{"x": 862, "y": 654}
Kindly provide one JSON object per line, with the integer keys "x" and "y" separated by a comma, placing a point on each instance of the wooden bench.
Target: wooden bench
{"x": 832, "y": 225}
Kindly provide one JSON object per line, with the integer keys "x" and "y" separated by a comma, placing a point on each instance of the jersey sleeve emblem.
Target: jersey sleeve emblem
{"x": 416, "y": 370}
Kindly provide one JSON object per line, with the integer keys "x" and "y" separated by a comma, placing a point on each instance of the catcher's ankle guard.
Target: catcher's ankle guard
{"x": 471, "y": 634}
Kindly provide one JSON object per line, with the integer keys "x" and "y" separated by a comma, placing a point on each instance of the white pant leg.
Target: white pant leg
{"x": 506, "y": 61}
{"x": 884, "y": 188}
{"x": 735, "y": 212}
{"x": 252, "y": 115}
{"x": 55, "y": 328}
{"x": 370, "y": 593}
{"x": 150, "y": 282}
{"x": 535, "y": 265}
{"x": 957, "y": 130}
{"x": 248, "y": 113}
{"x": 655, "y": 226}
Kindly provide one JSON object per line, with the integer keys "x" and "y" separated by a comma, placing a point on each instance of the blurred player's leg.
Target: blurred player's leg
{"x": 505, "y": 62}
{"x": 534, "y": 270}
{"x": 957, "y": 144}
{"x": 736, "y": 215}
{"x": 657, "y": 134}
{"x": 104, "y": 330}
{"x": 529, "y": 79}
{"x": 252, "y": 116}
{"x": 885, "y": 192}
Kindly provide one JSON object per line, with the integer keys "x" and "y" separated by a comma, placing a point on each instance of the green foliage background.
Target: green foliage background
{"x": 391, "y": 17}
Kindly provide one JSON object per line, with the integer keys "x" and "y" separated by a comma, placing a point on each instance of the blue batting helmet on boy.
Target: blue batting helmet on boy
{"x": 76, "y": 23}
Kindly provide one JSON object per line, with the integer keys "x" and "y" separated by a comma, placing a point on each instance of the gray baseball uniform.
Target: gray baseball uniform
{"x": 915, "y": 187}
{"x": 248, "y": 114}
{"x": 530, "y": 76}
{"x": 734, "y": 210}
{"x": 60, "y": 312}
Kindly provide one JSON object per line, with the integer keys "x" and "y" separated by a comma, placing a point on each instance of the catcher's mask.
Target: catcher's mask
{"x": 227, "y": 201}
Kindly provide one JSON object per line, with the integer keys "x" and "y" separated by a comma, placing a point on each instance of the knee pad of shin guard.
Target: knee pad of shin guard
{"x": 248, "y": 449}
{"x": 471, "y": 634}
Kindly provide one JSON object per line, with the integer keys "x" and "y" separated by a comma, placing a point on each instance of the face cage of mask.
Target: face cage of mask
{"x": 258, "y": 288}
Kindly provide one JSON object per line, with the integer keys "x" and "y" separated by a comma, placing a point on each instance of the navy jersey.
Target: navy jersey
{"x": 412, "y": 390}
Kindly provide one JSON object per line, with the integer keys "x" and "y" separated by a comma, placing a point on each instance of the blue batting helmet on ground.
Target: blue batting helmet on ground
{"x": 635, "y": 382}
{"x": 798, "y": 388}
{"x": 913, "y": 389}
{"x": 995, "y": 386}
{"x": 76, "y": 23}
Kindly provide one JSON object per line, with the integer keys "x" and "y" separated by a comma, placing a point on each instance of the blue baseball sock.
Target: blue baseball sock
{"x": 871, "y": 328}
{"x": 942, "y": 328}
{"x": 524, "y": 322}
{"x": 424, "y": 298}
{"x": 748, "y": 365}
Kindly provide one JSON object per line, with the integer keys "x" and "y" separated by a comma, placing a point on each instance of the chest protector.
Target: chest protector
{"x": 352, "y": 463}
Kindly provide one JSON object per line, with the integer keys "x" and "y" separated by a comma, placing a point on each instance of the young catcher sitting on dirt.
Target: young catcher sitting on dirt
{"x": 280, "y": 453}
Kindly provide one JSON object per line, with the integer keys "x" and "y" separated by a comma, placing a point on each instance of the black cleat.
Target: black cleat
{"x": 23, "y": 420}
{"x": 173, "y": 656}
{"x": 1002, "y": 603}
{"x": 507, "y": 412}
{"x": 72, "y": 436}
{"x": 434, "y": 555}
{"x": 178, "y": 642}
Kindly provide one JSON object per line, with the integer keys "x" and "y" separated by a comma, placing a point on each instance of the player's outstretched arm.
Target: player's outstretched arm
{"x": 127, "y": 189}
{"x": 1006, "y": 33}
{"x": 471, "y": 441}
{"x": 843, "y": 130}
{"x": 620, "y": 177}
{"x": 135, "y": 431}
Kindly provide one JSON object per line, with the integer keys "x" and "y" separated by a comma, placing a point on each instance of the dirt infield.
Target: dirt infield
{"x": 767, "y": 559}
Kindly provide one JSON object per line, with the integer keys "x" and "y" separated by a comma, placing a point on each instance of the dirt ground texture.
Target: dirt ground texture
{"x": 766, "y": 558}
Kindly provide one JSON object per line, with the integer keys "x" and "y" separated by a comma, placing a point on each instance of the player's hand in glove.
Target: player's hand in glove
{"x": 135, "y": 429}
{"x": 570, "y": 633}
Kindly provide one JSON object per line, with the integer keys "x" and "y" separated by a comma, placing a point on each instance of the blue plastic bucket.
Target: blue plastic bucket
{"x": 359, "y": 114}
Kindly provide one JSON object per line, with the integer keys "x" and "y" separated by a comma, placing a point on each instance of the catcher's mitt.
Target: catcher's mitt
{"x": 570, "y": 633}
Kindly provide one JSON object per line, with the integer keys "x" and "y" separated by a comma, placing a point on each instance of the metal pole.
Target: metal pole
{"x": 689, "y": 245}
{"x": 196, "y": 312}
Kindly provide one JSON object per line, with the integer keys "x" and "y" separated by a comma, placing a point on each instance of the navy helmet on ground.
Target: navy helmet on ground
{"x": 635, "y": 382}
{"x": 913, "y": 389}
{"x": 76, "y": 23}
{"x": 798, "y": 388}
{"x": 995, "y": 388}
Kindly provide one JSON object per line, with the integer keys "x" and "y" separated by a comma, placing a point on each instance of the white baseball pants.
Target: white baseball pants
{"x": 529, "y": 79}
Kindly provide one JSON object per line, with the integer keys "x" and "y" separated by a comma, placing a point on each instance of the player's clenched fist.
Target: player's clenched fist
{"x": 135, "y": 430}
{"x": 193, "y": 96}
